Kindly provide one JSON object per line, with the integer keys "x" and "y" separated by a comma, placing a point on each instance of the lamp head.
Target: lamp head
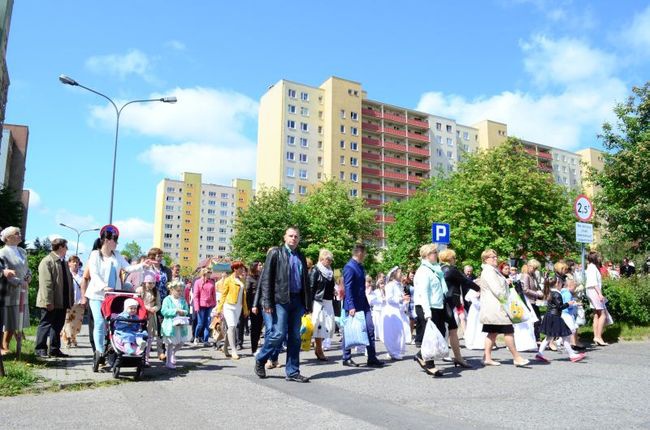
{"x": 171, "y": 99}
{"x": 67, "y": 80}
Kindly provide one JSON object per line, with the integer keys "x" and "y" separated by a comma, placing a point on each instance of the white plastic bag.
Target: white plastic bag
{"x": 434, "y": 344}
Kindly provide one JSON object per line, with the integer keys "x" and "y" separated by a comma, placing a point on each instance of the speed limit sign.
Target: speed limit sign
{"x": 583, "y": 208}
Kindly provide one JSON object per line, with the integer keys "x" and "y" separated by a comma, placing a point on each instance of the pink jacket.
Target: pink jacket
{"x": 204, "y": 294}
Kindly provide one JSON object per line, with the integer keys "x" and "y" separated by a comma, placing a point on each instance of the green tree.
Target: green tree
{"x": 334, "y": 220}
{"x": 11, "y": 208}
{"x": 496, "y": 199}
{"x": 131, "y": 250}
{"x": 623, "y": 199}
{"x": 263, "y": 224}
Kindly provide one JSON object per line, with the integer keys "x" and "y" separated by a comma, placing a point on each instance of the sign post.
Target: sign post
{"x": 440, "y": 234}
{"x": 584, "y": 210}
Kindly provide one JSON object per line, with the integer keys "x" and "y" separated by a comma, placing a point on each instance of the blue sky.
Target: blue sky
{"x": 551, "y": 70}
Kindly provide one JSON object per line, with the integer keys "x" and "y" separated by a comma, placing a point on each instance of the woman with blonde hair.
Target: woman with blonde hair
{"x": 321, "y": 281}
{"x": 203, "y": 301}
{"x": 494, "y": 289}
{"x": 232, "y": 303}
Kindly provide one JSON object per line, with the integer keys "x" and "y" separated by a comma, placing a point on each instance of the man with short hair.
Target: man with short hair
{"x": 286, "y": 298}
{"x": 55, "y": 297}
{"x": 354, "y": 278}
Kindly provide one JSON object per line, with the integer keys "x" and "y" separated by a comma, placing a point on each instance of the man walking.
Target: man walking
{"x": 354, "y": 278}
{"x": 285, "y": 298}
{"x": 55, "y": 297}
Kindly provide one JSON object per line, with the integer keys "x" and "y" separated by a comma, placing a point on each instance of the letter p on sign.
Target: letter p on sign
{"x": 440, "y": 233}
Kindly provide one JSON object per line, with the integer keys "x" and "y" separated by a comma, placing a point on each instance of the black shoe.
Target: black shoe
{"x": 579, "y": 347}
{"x": 41, "y": 354}
{"x": 57, "y": 353}
{"x": 350, "y": 363}
{"x": 260, "y": 371}
{"x": 375, "y": 363}
{"x": 297, "y": 377}
{"x": 240, "y": 347}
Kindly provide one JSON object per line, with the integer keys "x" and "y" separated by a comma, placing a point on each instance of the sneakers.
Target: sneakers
{"x": 375, "y": 363}
{"x": 297, "y": 377}
{"x": 577, "y": 357}
{"x": 259, "y": 369}
{"x": 540, "y": 357}
{"x": 350, "y": 363}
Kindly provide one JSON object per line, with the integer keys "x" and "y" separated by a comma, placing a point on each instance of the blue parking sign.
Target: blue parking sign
{"x": 440, "y": 233}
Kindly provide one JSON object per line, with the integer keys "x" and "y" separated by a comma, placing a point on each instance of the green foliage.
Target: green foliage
{"x": 11, "y": 208}
{"x": 496, "y": 199}
{"x": 628, "y": 299}
{"x": 34, "y": 258}
{"x": 131, "y": 250}
{"x": 623, "y": 200}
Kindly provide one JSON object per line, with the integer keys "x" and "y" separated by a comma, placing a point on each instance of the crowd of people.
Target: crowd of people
{"x": 268, "y": 300}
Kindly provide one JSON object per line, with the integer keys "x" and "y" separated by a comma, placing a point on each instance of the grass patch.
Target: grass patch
{"x": 20, "y": 377}
{"x": 616, "y": 332}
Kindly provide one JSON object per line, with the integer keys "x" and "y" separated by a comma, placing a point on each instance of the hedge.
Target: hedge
{"x": 629, "y": 299}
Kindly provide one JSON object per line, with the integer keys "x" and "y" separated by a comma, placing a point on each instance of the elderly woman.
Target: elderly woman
{"x": 16, "y": 309}
{"x": 321, "y": 282}
{"x": 232, "y": 303}
{"x": 204, "y": 298}
{"x": 494, "y": 289}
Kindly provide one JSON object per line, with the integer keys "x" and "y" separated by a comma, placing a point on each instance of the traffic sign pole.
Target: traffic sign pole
{"x": 584, "y": 211}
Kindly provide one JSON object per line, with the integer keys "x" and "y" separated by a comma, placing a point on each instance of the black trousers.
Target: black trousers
{"x": 539, "y": 321}
{"x": 257, "y": 322}
{"x": 50, "y": 327}
{"x": 420, "y": 325}
{"x": 241, "y": 328}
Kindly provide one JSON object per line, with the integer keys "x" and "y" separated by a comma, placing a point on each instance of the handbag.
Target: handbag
{"x": 355, "y": 331}
{"x": 179, "y": 320}
{"x": 513, "y": 306}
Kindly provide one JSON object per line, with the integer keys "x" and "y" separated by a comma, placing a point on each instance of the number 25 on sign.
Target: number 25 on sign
{"x": 583, "y": 208}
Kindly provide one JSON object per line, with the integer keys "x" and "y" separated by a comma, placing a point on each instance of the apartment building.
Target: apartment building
{"x": 13, "y": 159}
{"x": 590, "y": 158}
{"x": 195, "y": 220}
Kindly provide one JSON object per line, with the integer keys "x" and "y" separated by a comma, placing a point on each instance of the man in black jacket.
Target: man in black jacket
{"x": 286, "y": 298}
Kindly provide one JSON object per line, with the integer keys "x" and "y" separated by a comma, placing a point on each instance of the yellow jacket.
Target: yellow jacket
{"x": 230, "y": 293}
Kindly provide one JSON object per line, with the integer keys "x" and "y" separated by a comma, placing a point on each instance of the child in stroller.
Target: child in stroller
{"x": 129, "y": 336}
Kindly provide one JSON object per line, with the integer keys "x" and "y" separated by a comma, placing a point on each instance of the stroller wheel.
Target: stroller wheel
{"x": 138, "y": 373}
{"x": 116, "y": 372}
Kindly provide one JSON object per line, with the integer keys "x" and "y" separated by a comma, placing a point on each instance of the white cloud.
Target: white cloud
{"x": 34, "y": 199}
{"x": 176, "y": 45}
{"x": 79, "y": 222}
{"x": 207, "y": 127}
{"x": 637, "y": 34}
{"x": 133, "y": 62}
{"x": 134, "y": 229}
{"x": 568, "y": 116}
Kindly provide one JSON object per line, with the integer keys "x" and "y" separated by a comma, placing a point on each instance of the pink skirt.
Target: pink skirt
{"x": 594, "y": 300}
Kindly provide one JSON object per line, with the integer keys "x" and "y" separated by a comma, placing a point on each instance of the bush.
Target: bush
{"x": 629, "y": 299}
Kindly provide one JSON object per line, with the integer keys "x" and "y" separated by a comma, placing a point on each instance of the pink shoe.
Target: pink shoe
{"x": 540, "y": 357}
{"x": 577, "y": 357}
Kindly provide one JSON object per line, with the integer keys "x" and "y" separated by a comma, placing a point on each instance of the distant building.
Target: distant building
{"x": 6, "y": 8}
{"x": 13, "y": 155}
{"x": 594, "y": 159}
{"x": 194, "y": 221}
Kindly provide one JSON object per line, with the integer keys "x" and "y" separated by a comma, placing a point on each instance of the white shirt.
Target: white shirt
{"x": 100, "y": 271}
{"x": 593, "y": 277}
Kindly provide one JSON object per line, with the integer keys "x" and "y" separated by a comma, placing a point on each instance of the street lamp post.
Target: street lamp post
{"x": 79, "y": 233}
{"x": 118, "y": 111}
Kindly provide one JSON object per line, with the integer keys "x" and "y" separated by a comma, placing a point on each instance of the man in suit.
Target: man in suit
{"x": 285, "y": 299}
{"x": 55, "y": 297}
{"x": 354, "y": 278}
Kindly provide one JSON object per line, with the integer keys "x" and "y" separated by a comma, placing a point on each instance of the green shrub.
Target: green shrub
{"x": 629, "y": 299}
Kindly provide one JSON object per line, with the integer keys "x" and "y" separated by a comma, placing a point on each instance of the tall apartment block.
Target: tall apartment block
{"x": 13, "y": 156}
{"x": 193, "y": 220}
{"x": 6, "y": 8}
{"x": 590, "y": 158}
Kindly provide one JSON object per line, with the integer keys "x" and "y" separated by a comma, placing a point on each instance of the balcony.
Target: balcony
{"x": 366, "y": 126}
{"x": 370, "y": 156}
{"x": 418, "y": 123}
{"x": 378, "y": 234}
{"x": 395, "y": 175}
{"x": 419, "y": 151}
{"x": 395, "y": 146}
{"x": 396, "y": 190}
{"x": 419, "y": 137}
{"x": 371, "y": 142}
{"x": 394, "y": 117}
{"x": 545, "y": 155}
{"x": 395, "y": 161}
{"x": 370, "y": 171}
{"x": 371, "y": 112}
{"x": 373, "y": 202}
{"x": 389, "y": 218}
{"x": 545, "y": 167}
{"x": 419, "y": 165}
{"x": 414, "y": 179}
{"x": 369, "y": 186}
{"x": 394, "y": 132}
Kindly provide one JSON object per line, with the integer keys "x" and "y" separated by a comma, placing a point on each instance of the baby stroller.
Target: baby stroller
{"x": 114, "y": 354}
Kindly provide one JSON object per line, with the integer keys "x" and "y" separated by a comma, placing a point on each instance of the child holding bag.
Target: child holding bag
{"x": 151, "y": 299}
{"x": 175, "y": 325}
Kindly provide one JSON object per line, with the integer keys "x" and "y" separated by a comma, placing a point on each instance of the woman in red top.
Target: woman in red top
{"x": 204, "y": 300}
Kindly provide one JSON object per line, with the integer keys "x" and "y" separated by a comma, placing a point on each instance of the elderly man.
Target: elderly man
{"x": 55, "y": 297}
{"x": 285, "y": 298}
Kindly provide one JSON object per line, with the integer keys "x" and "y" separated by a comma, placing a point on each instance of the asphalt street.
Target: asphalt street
{"x": 609, "y": 388}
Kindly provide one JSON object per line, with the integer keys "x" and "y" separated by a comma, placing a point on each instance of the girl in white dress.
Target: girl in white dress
{"x": 474, "y": 335}
{"x": 377, "y": 301}
{"x": 394, "y": 317}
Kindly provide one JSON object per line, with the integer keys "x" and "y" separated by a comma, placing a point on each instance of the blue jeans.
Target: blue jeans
{"x": 202, "y": 331}
{"x": 370, "y": 327}
{"x": 285, "y": 323}
{"x": 268, "y": 325}
{"x": 99, "y": 329}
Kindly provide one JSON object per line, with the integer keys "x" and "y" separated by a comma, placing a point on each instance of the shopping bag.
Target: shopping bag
{"x": 306, "y": 330}
{"x": 434, "y": 344}
{"x": 355, "y": 331}
{"x": 515, "y": 307}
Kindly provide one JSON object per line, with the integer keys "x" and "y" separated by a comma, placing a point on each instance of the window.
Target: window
{"x": 291, "y": 156}
{"x": 170, "y": 198}
{"x": 212, "y": 202}
{"x": 209, "y": 238}
{"x": 303, "y": 174}
{"x": 168, "y": 235}
{"x": 210, "y": 229}
{"x": 292, "y": 93}
{"x": 354, "y": 116}
{"x": 169, "y": 217}
{"x": 224, "y": 195}
{"x": 342, "y": 160}
{"x": 169, "y": 208}
{"x": 353, "y": 192}
{"x": 222, "y": 230}
{"x": 290, "y": 188}
{"x": 212, "y": 211}
{"x": 354, "y": 177}
{"x": 223, "y": 213}
{"x": 438, "y": 126}
{"x": 342, "y": 113}
{"x": 320, "y": 114}
{"x": 466, "y": 135}
{"x": 449, "y": 155}
{"x": 439, "y": 140}
{"x": 304, "y": 127}
{"x": 291, "y": 124}
{"x": 212, "y": 194}
{"x": 291, "y": 140}
{"x": 210, "y": 220}
{"x": 290, "y": 172}
{"x": 448, "y": 128}
{"x": 304, "y": 111}
{"x": 170, "y": 189}
{"x": 319, "y": 175}
{"x": 169, "y": 225}
{"x": 450, "y": 141}
{"x": 320, "y": 129}
{"x": 320, "y": 144}
{"x": 354, "y": 131}
{"x": 304, "y": 143}
{"x": 224, "y": 204}
{"x": 292, "y": 108}
{"x": 342, "y": 144}
{"x": 342, "y": 129}
{"x": 320, "y": 162}
{"x": 304, "y": 96}
{"x": 342, "y": 176}
{"x": 302, "y": 190}
{"x": 303, "y": 158}
{"x": 354, "y": 161}
{"x": 223, "y": 221}
{"x": 354, "y": 146}
{"x": 439, "y": 152}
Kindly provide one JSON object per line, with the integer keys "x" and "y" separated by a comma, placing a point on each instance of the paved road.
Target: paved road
{"x": 609, "y": 388}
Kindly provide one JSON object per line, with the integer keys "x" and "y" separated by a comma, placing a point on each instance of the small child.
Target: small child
{"x": 553, "y": 324}
{"x": 129, "y": 334}
{"x": 149, "y": 294}
{"x": 175, "y": 326}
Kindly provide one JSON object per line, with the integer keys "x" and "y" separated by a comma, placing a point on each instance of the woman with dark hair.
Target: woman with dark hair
{"x": 231, "y": 304}
{"x": 594, "y": 287}
{"x": 203, "y": 300}
{"x": 257, "y": 320}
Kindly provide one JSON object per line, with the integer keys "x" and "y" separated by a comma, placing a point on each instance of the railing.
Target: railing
{"x": 395, "y": 175}
{"x": 373, "y": 202}
{"x": 370, "y": 156}
{"x": 370, "y": 141}
{"x": 370, "y": 171}
{"x": 369, "y": 186}
{"x": 389, "y": 218}
{"x": 396, "y": 190}
{"x": 394, "y": 117}
{"x": 395, "y": 146}
{"x": 414, "y": 179}
{"x": 366, "y": 126}
{"x": 418, "y": 123}
{"x": 418, "y": 165}
{"x": 420, "y": 137}
{"x": 370, "y": 112}
{"x": 395, "y": 132}
{"x": 397, "y": 161}
{"x": 419, "y": 151}
{"x": 545, "y": 155}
